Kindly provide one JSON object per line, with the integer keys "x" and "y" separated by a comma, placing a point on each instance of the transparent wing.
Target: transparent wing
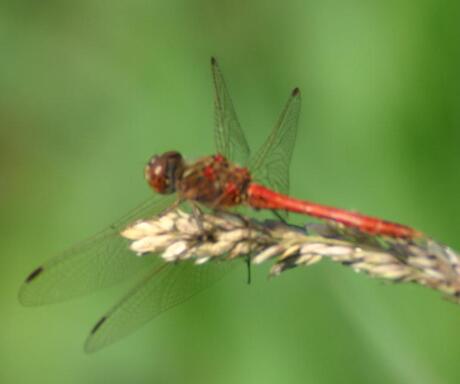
{"x": 163, "y": 288}
{"x": 229, "y": 137}
{"x": 97, "y": 262}
{"x": 270, "y": 165}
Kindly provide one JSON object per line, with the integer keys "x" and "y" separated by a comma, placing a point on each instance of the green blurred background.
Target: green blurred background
{"x": 90, "y": 89}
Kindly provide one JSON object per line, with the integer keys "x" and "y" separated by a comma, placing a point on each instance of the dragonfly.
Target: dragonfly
{"x": 230, "y": 178}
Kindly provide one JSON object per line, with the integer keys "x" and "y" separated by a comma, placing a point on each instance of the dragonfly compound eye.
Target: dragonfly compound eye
{"x": 163, "y": 171}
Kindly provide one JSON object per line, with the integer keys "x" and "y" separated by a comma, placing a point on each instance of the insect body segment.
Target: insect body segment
{"x": 163, "y": 172}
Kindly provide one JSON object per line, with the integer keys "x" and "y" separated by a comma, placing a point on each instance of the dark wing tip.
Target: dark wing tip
{"x": 34, "y": 274}
{"x": 90, "y": 347}
{"x": 101, "y": 321}
{"x": 296, "y": 91}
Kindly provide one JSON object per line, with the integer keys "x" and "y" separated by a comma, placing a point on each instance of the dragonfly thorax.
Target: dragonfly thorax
{"x": 215, "y": 182}
{"x": 164, "y": 171}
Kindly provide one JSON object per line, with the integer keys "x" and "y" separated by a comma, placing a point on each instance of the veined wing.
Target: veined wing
{"x": 229, "y": 137}
{"x": 97, "y": 262}
{"x": 270, "y": 165}
{"x": 161, "y": 289}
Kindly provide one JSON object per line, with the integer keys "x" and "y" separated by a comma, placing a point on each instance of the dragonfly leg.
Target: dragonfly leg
{"x": 197, "y": 214}
{"x": 280, "y": 218}
{"x": 172, "y": 207}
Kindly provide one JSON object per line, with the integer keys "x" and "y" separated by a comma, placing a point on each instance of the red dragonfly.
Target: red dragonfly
{"x": 230, "y": 178}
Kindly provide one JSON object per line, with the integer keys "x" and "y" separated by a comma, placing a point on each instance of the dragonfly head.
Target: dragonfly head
{"x": 163, "y": 171}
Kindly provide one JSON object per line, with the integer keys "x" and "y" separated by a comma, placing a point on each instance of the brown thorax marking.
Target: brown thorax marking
{"x": 214, "y": 181}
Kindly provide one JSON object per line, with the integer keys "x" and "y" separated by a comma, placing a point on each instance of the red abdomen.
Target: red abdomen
{"x": 264, "y": 198}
